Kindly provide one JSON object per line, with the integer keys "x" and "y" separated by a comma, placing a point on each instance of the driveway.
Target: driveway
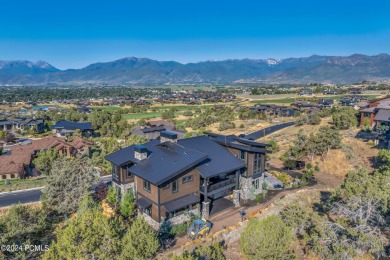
{"x": 268, "y": 130}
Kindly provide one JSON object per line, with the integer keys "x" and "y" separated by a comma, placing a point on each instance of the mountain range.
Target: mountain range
{"x": 319, "y": 69}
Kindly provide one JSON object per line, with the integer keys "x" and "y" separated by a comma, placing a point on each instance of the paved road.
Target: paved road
{"x": 27, "y": 196}
{"x": 268, "y": 130}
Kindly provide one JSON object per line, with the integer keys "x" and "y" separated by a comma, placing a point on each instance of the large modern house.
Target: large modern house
{"x": 67, "y": 128}
{"x": 172, "y": 177}
{"x": 22, "y": 124}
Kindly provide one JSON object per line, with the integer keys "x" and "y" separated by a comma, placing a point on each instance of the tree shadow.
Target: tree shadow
{"x": 321, "y": 207}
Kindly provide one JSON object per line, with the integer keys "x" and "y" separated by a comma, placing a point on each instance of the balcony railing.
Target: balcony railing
{"x": 219, "y": 185}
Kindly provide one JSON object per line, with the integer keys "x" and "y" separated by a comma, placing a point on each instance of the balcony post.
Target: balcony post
{"x": 206, "y": 188}
{"x": 237, "y": 179}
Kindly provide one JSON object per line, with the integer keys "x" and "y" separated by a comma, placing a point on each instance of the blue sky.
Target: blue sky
{"x": 73, "y": 34}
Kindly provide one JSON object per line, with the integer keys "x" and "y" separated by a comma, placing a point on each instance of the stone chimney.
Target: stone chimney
{"x": 140, "y": 152}
{"x": 166, "y": 136}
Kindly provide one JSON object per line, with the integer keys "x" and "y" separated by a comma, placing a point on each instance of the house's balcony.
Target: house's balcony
{"x": 224, "y": 184}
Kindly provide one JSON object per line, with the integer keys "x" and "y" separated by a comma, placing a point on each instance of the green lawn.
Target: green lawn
{"x": 21, "y": 184}
{"x": 183, "y": 107}
{"x": 272, "y": 101}
{"x": 107, "y": 108}
{"x": 141, "y": 115}
{"x": 291, "y": 100}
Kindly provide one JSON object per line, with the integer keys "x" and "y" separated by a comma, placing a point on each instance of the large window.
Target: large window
{"x": 129, "y": 174}
{"x": 188, "y": 178}
{"x": 115, "y": 171}
{"x": 147, "y": 186}
{"x": 148, "y": 211}
{"x": 257, "y": 163}
{"x": 175, "y": 187}
{"x": 367, "y": 114}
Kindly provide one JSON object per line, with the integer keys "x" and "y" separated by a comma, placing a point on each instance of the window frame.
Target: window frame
{"x": 115, "y": 171}
{"x": 146, "y": 185}
{"x": 187, "y": 179}
{"x": 257, "y": 163}
{"x": 175, "y": 183}
{"x": 128, "y": 174}
{"x": 166, "y": 186}
{"x": 242, "y": 152}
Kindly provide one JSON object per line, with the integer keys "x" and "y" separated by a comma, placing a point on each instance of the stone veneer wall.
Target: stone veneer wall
{"x": 172, "y": 221}
{"x": 247, "y": 188}
{"x": 184, "y": 217}
{"x": 124, "y": 187}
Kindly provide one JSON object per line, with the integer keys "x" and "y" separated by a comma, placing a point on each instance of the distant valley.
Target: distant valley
{"x": 320, "y": 69}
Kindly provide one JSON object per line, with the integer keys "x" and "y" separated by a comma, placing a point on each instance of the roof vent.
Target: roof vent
{"x": 140, "y": 152}
{"x": 166, "y": 136}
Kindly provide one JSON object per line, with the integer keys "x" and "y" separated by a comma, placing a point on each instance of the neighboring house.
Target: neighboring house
{"x": 67, "y": 128}
{"x": 325, "y": 103}
{"x": 332, "y": 92}
{"x": 376, "y": 112}
{"x": 152, "y": 129}
{"x": 22, "y": 124}
{"x": 78, "y": 146}
{"x": 84, "y": 109}
{"x": 171, "y": 176}
{"x": 14, "y": 166}
{"x": 17, "y": 162}
{"x": 305, "y": 92}
{"x": 273, "y": 110}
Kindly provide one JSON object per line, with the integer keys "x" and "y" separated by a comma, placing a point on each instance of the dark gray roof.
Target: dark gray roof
{"x": 239, "y": 143}
{"x": 5, "y": 122}
{"x": 219, "y": 159}
{"x": 153, "y": 129}
{"x": 181, "y": 202}
{"x": 73, "y": 125}
{"x": 22, "y": 121}
{"x": 165, "y": 161}
{"x": 144, "y": 202}
{"x": 126, "y": 155}
{"x": 383, "y": 115}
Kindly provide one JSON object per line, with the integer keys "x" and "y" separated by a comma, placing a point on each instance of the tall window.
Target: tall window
{"x": 242, "y": 155}
{"x": 257, "y": 163}
{"x": 256, "y": 184}
{"x": 175, "y": 187}
{"x": 147, "y": 186}
{"x": 129, "y": 174}
{"x": 115, "y": 171}
{"x": 148, "y": 211}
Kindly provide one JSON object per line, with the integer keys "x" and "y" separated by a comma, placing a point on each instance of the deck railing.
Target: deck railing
{"x": 219, "y": 185}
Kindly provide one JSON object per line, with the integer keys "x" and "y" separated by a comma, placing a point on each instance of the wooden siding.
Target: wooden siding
{"x": 183, "y": 188}
{"x": 249, "y": 165}
{"x": 123, "y": 176}
{"x": 362, "y": 118}
{"x": 152, "y": 195}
